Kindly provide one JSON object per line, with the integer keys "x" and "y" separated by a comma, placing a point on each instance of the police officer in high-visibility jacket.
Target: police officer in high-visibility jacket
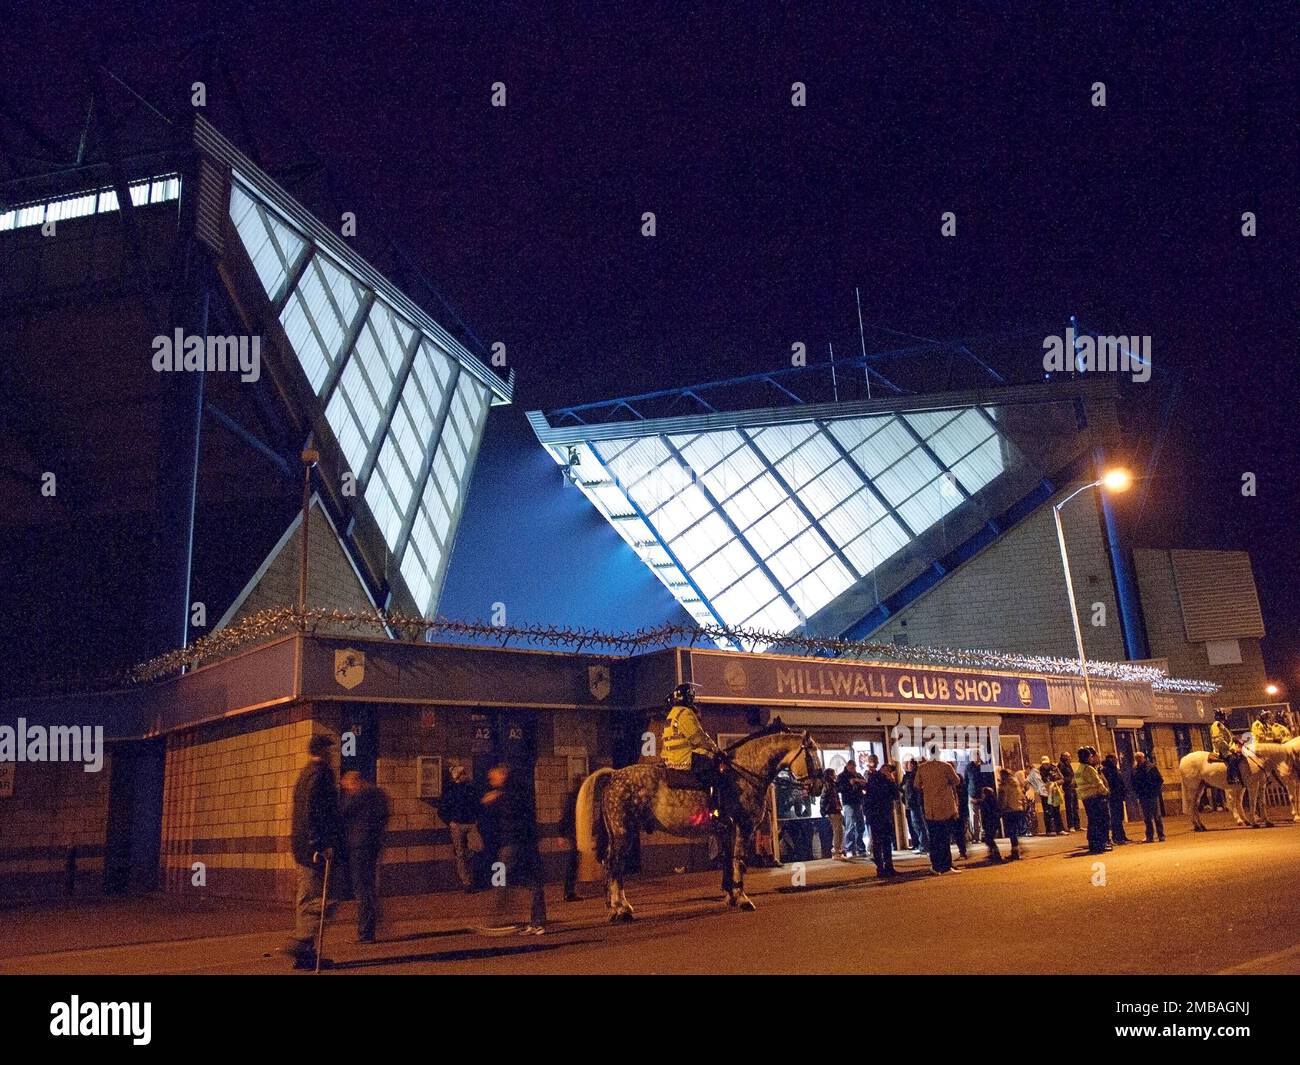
{"x": 1224, "y": 744}
{"x": 688, "y": 746}
{"x": 1280, "y": 733}
{"x": 1261, "y": 729}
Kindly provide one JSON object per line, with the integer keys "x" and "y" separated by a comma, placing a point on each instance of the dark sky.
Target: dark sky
{"x": 528, "y": 218}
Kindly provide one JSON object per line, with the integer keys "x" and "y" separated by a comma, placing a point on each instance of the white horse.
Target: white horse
{"x": 1261, "y": 761}
{"x": 1290, "y": 775}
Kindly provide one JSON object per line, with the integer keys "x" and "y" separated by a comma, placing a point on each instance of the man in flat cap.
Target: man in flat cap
{"x": 314, "y": 837}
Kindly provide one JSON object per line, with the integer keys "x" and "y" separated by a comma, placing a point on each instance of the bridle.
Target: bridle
{"x": 806, "y": 747}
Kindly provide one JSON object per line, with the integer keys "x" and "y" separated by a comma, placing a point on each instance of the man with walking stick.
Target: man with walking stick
{"x": 315, "y": 835}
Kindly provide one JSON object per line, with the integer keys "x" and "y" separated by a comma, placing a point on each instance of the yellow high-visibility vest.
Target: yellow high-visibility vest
{"x": 683, "y": 734}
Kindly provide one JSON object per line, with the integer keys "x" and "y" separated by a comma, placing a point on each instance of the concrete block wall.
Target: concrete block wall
{"x": 331, "y": 581}
{"x": 228, "y": 801}
{"x": 1242, "y": 684}
{"x": 1011, "y": 596}
{"x": 52, "y": 830}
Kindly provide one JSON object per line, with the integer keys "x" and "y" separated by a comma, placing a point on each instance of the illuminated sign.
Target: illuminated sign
{"x": 729, "y": 678}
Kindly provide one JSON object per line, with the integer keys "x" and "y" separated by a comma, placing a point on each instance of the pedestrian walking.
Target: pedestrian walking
{"x": 314, "y": 835}
{"x": 1116, "y": 791}
{"x": 832, "y": 807}
{"x": 1148, "y": 783}
{"x": 1093, "y": 792}
{"x": 460, "y": 808}
{"x": 937, "y": 784}
{"x": 365, "y": 817}
{"x": 1066, "y": 768}
{"x": 512, "y": 829}
{"x": 1011, "y": 808}
{"x": 879, "y": 797}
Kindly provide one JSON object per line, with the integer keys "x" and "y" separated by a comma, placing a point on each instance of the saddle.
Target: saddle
{"x": 1215, "y": 758}
{"x": 682, "y": 780}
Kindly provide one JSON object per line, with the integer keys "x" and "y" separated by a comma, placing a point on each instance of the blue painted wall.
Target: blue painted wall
{"x": 536, "y": 544}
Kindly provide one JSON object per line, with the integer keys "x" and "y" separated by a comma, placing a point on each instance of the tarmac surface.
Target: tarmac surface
{"x": 1215, "y": 902}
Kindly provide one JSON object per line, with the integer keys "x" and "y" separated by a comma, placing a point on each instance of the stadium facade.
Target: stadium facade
{"x": 908, "y": 530}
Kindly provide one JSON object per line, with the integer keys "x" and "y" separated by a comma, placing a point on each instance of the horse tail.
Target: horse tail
{"x": 591, "y": 838}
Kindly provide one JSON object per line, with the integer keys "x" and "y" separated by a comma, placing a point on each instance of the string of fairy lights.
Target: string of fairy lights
{"x": 279, "y": 621}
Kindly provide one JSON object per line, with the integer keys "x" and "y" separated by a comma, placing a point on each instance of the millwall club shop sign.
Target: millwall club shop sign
{"x": 800, "y": 682}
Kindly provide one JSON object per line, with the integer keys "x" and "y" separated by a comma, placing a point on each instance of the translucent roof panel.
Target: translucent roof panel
{"x": 406, "y": 413}
{"x": 763, "y": 527}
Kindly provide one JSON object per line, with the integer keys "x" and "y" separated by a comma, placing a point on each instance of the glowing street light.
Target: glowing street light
{"x": 1272, "y": 689}
{"x": 1113, "y": 480}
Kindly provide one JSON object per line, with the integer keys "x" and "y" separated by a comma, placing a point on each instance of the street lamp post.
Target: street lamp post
{"x": 310, "y": 456}
{"x": 1115, "y": 481}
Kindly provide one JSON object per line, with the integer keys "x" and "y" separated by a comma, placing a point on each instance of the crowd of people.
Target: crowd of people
{"x": 494, "y": 828}
{"x": 944, "y": 808}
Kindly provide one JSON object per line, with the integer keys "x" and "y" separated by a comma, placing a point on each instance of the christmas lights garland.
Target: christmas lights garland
{"x": 279, "y": 621}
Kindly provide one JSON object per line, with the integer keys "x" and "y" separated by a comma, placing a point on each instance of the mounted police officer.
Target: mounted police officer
{"x": 687, "y": 746}
{"x": 1279, "y": 732}
{"x": 1261, "y": 729}
{"x": 1225, "y": 746}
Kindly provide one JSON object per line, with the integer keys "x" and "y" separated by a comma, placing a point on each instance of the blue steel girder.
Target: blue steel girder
{"x": 753, "y": 553}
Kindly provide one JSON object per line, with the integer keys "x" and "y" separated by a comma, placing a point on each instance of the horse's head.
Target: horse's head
{"x": 776, "y": 747}
{"x": 805, "y": 764}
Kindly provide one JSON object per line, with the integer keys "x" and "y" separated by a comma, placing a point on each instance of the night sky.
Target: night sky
{"x": 527, "y": 218}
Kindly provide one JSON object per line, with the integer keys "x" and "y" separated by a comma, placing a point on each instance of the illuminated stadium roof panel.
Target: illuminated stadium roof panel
{"x": 405, "y": 403}
{"x": 798, "y": 517}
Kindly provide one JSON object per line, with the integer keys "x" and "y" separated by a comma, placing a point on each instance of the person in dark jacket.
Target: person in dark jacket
{"x": 1066, "y": 767}
{"x": 459, "y": 808}
{"x": 510, "y": 828}
{"x": 990, "y": 815}
{"x": 365, "y": 817}
{"x": 849, "y": 784}
{"x": 1115, "y": 800}
{"x": 832, "y": 808}
{"x": 313, "y": 838}
{"x": 913, "y": 803}
{"x": 963, "y": 813}
{"x": 974, "y": 792}
{"x": 1148, "y": 783}
{"x": 879, "y": 797}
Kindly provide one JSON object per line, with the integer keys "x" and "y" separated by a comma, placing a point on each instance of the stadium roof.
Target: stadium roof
{"x": 405, "y": 401}
{"x": 810, "y": 516}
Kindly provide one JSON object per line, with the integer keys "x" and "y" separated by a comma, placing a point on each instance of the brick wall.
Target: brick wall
{"x": 331, "y": 580}
{"x": 1242, "y": 684}
{"x": 57, "y": 811}
{"x": 1011, "y": 596}
{"x": 227, "y": 802}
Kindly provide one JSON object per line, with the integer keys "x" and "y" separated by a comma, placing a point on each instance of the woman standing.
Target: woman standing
{"x": 1011, "y": 806}
{"x": 1093, "y": 792}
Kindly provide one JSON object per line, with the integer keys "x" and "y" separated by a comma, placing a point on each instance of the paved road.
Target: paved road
{"x": 1214, "y": 902}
